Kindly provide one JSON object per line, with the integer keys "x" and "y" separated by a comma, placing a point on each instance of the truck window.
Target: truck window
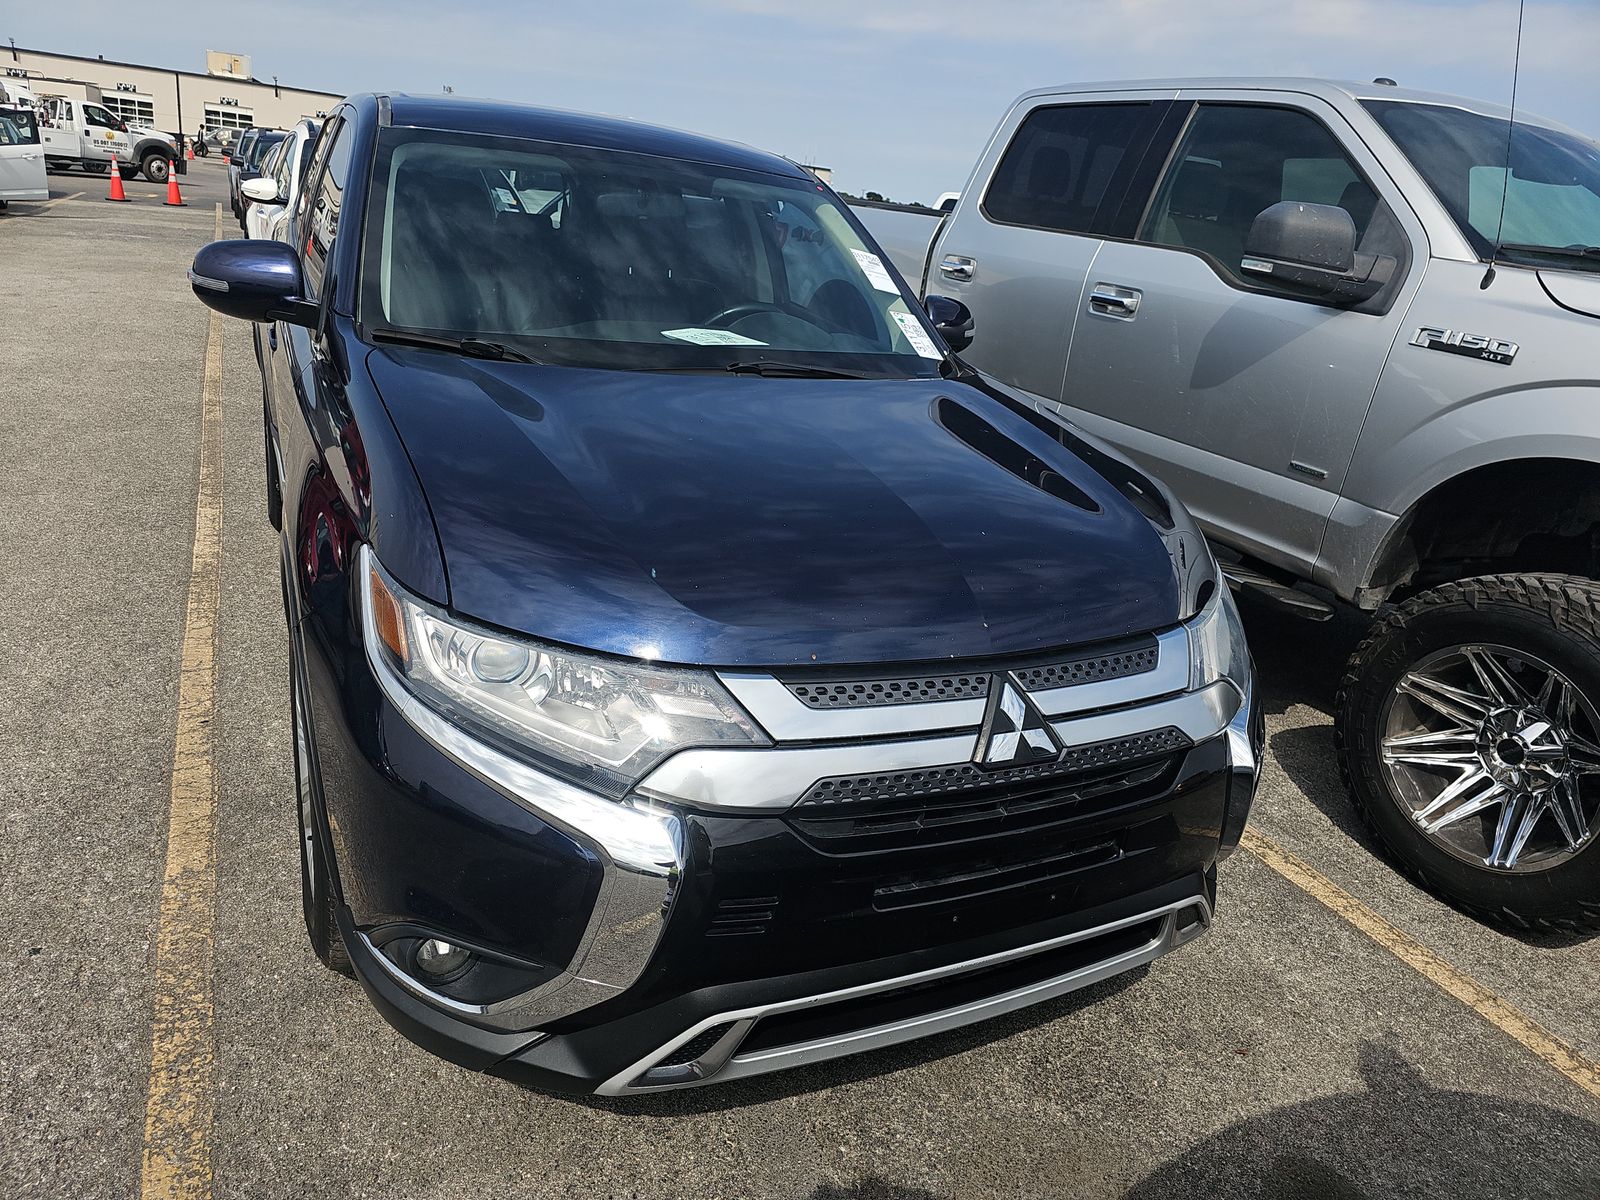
{"x": 322, "y": 223}
{"x": 1061, "y": 164}
{"x": 1238, "y": 159}
{"x": 93, "y": 114}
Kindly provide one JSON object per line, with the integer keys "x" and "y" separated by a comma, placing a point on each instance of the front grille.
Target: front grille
{"x": 1089, "y": 669}
{"x": 745, "y": 915}
{"x": 866, "y": 693}
{"x": 1132, "y": 656}
{"x": 968, "y": 777}
{"x": 927, "y": 808}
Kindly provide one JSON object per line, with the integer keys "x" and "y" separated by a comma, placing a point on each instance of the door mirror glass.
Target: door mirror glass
{"x": 252, "y": 280}
{"x": 262, "y": 188}
{"x": 952, "y": 319}
{"x": 1311, "y": 247}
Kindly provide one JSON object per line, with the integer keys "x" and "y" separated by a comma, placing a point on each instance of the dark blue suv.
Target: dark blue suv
{"x": 696, "y": 669}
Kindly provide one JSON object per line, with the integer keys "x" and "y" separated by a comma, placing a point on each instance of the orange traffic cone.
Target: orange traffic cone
{"x": 116, "y": 192}
{"x": 174, "y": 196}
{"x": 191, "y": 151}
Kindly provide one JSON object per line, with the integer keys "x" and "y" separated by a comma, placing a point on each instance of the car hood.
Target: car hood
{"x": 744, "y": 521}
{"x": 1573, "y": 290}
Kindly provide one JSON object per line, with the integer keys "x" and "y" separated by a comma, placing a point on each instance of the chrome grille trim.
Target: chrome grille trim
{"x": 772, "y": 780}
{"x": 787, "y": 718}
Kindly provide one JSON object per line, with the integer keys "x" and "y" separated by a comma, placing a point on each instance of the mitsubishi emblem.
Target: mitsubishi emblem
{"x": 1014, "y": 731}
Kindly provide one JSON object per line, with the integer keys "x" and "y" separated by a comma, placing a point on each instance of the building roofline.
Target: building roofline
{"x": 117, "y": 62}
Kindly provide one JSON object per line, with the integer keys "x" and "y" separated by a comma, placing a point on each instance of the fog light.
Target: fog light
{"x": 441, "y": 960}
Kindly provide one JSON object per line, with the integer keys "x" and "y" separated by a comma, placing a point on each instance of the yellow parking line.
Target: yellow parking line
{"x": 178, "y": 1109}
{"x": 1506, "y": 1017}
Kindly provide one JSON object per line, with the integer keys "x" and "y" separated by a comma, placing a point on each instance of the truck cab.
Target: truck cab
{"x": 1354, "y": 327}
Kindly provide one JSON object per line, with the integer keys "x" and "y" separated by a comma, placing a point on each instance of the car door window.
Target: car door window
{"x": 1066, "y": 166}
{"x": 1238, "y": 159}
{"x": 93, "y": 114}
{"x": 321, "y": 224}
{"x": 282, "y": 171}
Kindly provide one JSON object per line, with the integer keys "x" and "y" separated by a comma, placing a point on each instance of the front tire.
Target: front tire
{"x": 316, "y": 890}
{"x": 155, "y": 168}
{"x": 1468, "y": 732}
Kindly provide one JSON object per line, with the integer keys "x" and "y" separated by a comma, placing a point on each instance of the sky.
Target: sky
{"x": 896, "y": 98}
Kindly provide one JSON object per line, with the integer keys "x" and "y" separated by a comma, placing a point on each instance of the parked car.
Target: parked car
{"x": 245, "y": 163}
{"x": 274, "y": 194}
{"x": 22, "y": 170}
{"x": 697, "y": 670}
{"x": 1299, "y": 304}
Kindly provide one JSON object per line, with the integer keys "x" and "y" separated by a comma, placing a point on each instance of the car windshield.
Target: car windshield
{"x": 600, "y": 258}
{"x": 1553, "y": 200}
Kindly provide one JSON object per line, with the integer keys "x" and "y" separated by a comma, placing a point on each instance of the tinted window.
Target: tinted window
{"x": 263, "y": 147}
{"x": 1237, "y": 160}
{"x": 18, "y": 128}
{"x": 1554, "y": 195}
{"x": 322, "y": 219}
{"x": 1061, "y": 163}
{"x": 654, "y": 264}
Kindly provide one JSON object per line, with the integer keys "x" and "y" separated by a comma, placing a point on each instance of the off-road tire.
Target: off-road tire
{"x": 1557, "y": 618}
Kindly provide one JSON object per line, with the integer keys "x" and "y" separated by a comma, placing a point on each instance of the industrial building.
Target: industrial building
{"x": 225, "y": 96}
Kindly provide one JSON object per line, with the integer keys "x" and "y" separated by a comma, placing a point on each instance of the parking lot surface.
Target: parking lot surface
{"x": 1304, "y": 1047}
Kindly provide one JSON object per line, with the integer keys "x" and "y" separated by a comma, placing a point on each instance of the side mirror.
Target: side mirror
{"x": 1312, "y": 247}
{"x": 254, "y": 280}
{"x": 952, "y": 319}
{"x": 263, "y": 188}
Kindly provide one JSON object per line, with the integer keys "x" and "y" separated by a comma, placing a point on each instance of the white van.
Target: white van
{"x": 22, "y": 174}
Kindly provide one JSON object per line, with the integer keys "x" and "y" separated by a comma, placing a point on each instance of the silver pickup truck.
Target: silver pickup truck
{"x": 1367, "y": 356}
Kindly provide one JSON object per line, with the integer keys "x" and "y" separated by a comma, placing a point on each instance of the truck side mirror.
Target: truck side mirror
{"x": 952, "y": 319}
{"x": 255, "y": 280}
{"x": 1311, "y": 248}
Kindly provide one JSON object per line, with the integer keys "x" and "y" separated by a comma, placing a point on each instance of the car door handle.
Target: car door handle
{"x": 272, "y": 337}
{"x": 957, "y": 266}
{"x": 1109, "y": 300}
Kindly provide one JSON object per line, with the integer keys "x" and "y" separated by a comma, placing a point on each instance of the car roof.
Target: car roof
{"x": 499, "y": 118}
{"x": 1333, "y": 90}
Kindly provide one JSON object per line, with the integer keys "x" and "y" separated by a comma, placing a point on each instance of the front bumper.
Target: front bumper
{"x": 677, "y": 939}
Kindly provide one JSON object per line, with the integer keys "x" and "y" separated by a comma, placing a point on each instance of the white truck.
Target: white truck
{"x": 78, "y": 130}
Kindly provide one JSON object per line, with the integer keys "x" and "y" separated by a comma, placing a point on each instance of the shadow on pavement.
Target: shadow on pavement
{"x": 801, "y": 1080}
{"x": 1400, "y": 1137}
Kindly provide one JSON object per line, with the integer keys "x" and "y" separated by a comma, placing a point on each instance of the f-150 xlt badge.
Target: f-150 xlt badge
{"x": 1473, "y": 345}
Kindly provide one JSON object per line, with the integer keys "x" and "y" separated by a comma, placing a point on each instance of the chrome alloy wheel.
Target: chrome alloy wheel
{"x": 1495, "y": 754}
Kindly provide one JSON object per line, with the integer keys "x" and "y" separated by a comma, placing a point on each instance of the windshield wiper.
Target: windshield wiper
{"x": 763, "y": 366}
{"x": 470, "y": 346}
{"x": 1589, "y": 252}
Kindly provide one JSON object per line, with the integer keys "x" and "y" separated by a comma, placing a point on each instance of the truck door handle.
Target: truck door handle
{"x": 1109, "y": 300}
{"x": 957, "y": 266}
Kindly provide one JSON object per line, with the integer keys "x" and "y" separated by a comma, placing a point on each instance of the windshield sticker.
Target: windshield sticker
{"x": 877, "y": 275}
{"x": 711, "y": 337}
{"x": 916, "y": 334}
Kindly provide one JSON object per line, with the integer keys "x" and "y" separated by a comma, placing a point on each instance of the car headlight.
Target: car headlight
{"x": 1217, "y": 647}
{"x": 599, "y": 722}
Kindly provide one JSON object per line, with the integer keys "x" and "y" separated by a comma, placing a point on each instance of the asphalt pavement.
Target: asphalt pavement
{"x": 1288, "y": 1053}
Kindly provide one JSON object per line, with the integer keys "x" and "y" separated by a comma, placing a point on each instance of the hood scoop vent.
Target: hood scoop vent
{"x": 967, "y": 426}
